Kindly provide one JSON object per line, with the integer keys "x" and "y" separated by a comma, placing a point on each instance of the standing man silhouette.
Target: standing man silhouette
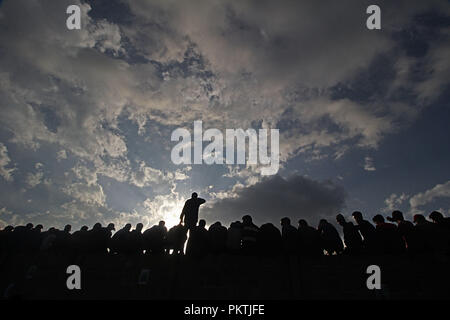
{"x": 190, "y": 211}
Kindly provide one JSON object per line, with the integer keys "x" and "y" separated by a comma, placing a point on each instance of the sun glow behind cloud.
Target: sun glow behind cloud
{"x": 170, "y": 212}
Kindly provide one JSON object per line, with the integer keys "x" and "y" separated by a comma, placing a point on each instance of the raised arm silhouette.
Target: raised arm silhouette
{"x": 189, "y": 215}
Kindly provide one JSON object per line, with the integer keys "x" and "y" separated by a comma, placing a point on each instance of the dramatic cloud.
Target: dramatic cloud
{"x": 276, "y": 197}
{"x": 96, "y": 107}
{"x": 423, "y": 198}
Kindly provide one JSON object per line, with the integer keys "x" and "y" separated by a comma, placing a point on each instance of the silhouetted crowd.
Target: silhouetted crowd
{"x": 242, "y": 237}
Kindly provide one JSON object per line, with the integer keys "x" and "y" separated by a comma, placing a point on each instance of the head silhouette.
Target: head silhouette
{"x": 357, "y": 216}
{"x": 139, "y": 227}
{"x": 322, "y": 223}
{"x": 67, "y": 228}
{"x": 236, "y": 224}
{"x": 84, "y": 228}
{"x": 127, "y": 227}
{"x": 285, "y": 221}
{"x": 419, "y": 219}
{"x": 202, "y": 223}
{"x": 97, "y": 226}
{"x": 436, "y": 216}
{"x": 340, "y": 219}
{"x": 162, "y": 223}
{"x": 302, "y": 223}
{"x": 111, "y": 227}
{"x": 247, "y": 219}
{"x": 378, "y": 219}
{"x": 397, "y": 215}
{"x": 194, "y": 195}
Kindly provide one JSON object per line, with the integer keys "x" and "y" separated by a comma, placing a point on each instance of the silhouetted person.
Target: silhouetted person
{"x": 6, "y": 241}
{"x": 439, "y": 219}
{"x": 62, "y": 244}
{"x": 36, "y": 238}
{"x": 352, "y": 238}
{"x": 234, "y": 237}
{"x": 98, "y": 239}
{"x": 176, "y": 237}
{"x": 429, "y": 237}
{"x": 198, "y": 243}
{"x": 367, "y": 231}
{"x": 22, "y": 237}
{"x": 289, "y": 236}
{"x": 80, "y": 240}
{"x": 136, "y": 240}
{"x": 109, "y": 229}
{"x": 189, "y": 215}
{"x": 48, "y": 239}
{"x": 269, "y": 240}
{"x": 331, "y": 241}
{"x": 406, "y": 231}
{"x": 119, "y": 241}
{"x": 310, "y": 242}
{"x": 155, "y": 238}
{"x": 217, "y": 235}
{"x": 444, "y": 228}
{"x": 249, "y": 235}
{"x": 388, "y": 236}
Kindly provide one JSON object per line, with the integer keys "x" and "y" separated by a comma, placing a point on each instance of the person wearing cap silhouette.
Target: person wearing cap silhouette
{"x": 189, "y": 215}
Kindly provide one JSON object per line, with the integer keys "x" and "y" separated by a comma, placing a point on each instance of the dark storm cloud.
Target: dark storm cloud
{"x": 276, "y": 197}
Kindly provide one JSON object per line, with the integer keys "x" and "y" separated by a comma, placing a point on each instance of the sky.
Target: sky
{"x": 86, "y": 116}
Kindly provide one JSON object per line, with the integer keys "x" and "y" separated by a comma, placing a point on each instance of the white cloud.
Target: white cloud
{"x": 5, "y": 162}
{"x": 94, "y": 89}
{"x": 33, "y": 179}
{"x": 368, "y": 164}
{"x": 428, "y": 196}
{"x": 394, "y": 201}
{"x": 89, "y": 194}
{"x": 61, "y": 155}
